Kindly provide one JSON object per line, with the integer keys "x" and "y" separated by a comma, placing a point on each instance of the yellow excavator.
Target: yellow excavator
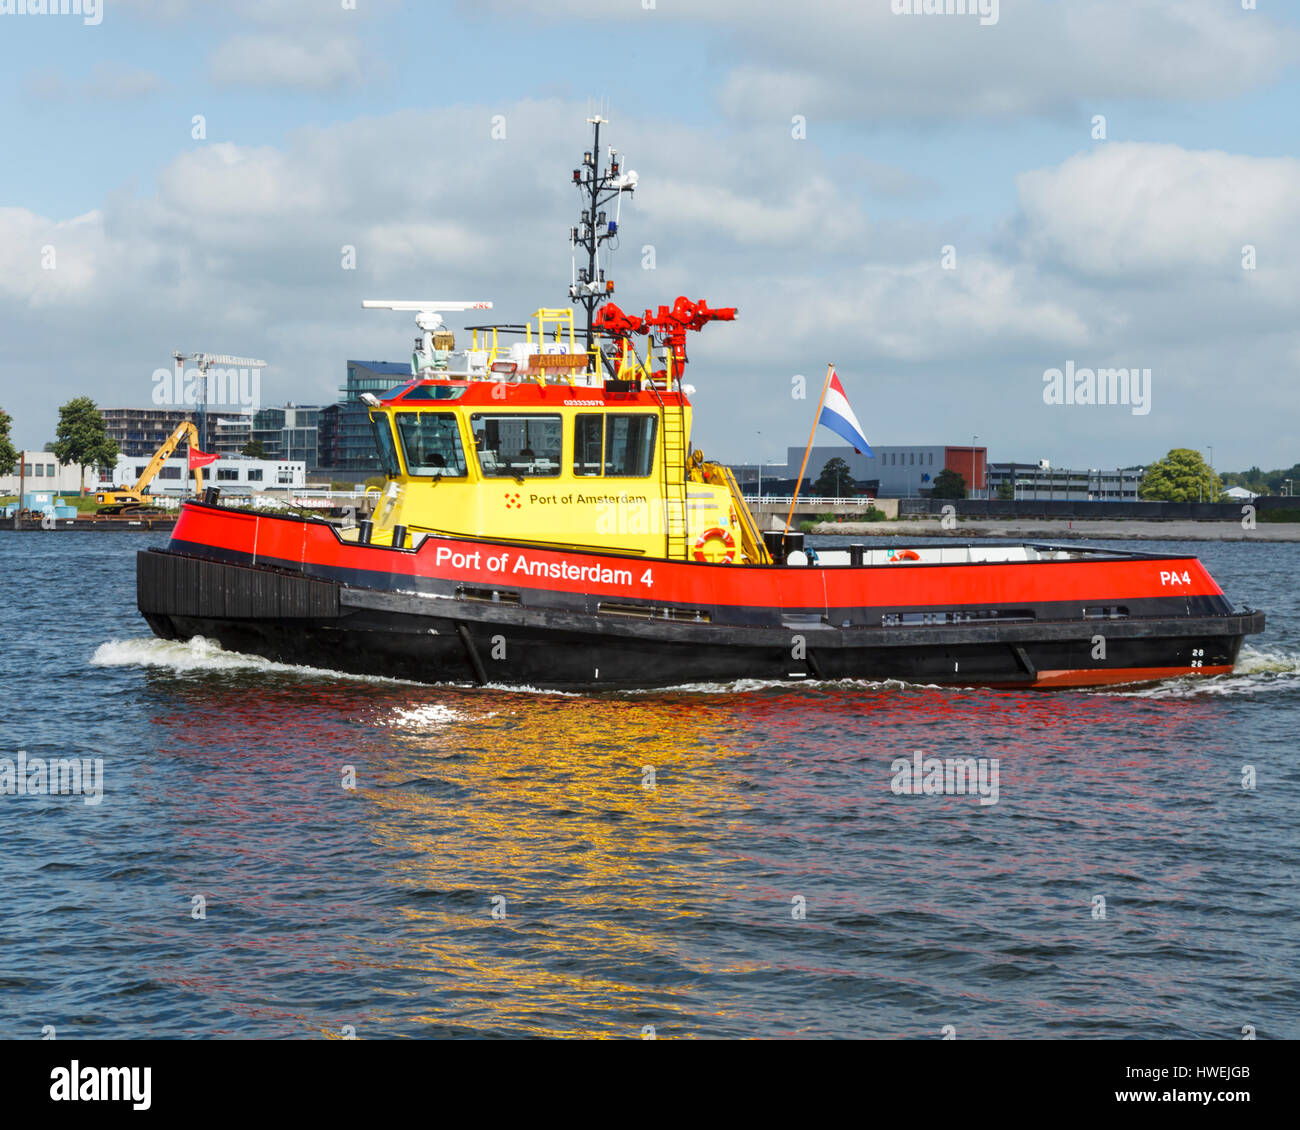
{"x": 134, "y": 500}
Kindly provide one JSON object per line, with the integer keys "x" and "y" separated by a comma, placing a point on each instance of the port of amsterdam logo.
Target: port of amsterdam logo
{"x": 513, "y": 502}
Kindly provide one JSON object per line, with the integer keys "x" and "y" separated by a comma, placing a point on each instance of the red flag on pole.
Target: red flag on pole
{"x": 200, "y": 458}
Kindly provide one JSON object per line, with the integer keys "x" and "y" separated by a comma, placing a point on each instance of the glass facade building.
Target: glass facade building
{"x": 345, "y": 441}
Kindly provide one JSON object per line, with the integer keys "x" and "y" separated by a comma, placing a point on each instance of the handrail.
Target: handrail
{"x": 751, "y": 540}
{"x": 816, "y": 500}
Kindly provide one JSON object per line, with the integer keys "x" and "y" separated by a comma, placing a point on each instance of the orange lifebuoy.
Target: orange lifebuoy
{"x": 905, "y": 555}
{"x": 721, "y": 535}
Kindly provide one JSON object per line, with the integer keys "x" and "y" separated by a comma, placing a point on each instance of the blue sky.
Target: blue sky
{"x": 370, "y": 127}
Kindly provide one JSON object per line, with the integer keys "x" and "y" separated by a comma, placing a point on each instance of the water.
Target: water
{"x": 624, "y": 906}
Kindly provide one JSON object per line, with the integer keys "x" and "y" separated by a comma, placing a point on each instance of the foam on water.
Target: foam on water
{"x": 755, "y": 686}
{"x": 431, "y": 715}
{"x": 1253, "y": 661}
{"x": 204, "y": 656}
{"x": 1257, "y": 671}
{"x": 523, "y": 688}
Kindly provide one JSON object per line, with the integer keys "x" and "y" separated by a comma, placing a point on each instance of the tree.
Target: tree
{"x": 1261, "y": 482}
{"x": 82, "y": 438}
{"x": 255, "y": 448}
{"x": 1006, "y": 492}
{"x": 1181, "y": 476}
{"x": 948, "y": 484}
{"x": 836, "y": 479}
{"x": 1275, "y": 482}
{"x": 8, "y": 453}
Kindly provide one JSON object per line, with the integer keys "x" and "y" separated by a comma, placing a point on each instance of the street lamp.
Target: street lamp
{"x": 972, "y": 462}
{"x": 760, "y": 471}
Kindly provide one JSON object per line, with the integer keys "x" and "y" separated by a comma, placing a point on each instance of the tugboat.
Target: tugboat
{"x": 547, "y": 522}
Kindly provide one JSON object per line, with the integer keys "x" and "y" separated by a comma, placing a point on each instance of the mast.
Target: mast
{"x": 597, "y": 187}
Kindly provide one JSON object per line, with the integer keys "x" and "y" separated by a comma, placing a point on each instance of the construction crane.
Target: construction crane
{"x": 204, "y": 361}
{"x": 134, "y": 499}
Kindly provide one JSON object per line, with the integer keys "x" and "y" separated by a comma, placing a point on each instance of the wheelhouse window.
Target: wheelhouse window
{"x": 431, "y": 444}
{"x": 518, "y": 444}
{"x": 436, "y": 392}
{"x": 588, "y": 453}
{"x": 620, "y": 445}
{"x": 384, "y": 443}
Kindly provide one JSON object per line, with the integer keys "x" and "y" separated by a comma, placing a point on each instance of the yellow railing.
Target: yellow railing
{"x": 751, "y": 539}
{"x": 561, "y": 323}
{"x": 631, "y": 367}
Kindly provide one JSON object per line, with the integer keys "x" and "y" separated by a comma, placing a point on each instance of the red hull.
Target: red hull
{"x": 1029, "y": 623}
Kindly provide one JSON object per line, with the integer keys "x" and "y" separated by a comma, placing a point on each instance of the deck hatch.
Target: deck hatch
{"x": 958, "y": 616}
{"x": 488, "y": 596}
{"x": 653, "y": 612}
{"x": 1106, "y": 612}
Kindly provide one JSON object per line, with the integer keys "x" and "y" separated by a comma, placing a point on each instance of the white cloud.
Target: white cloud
{"x": 855, "y": 61}
{"x": 49, "y": 263}
{"x": 118, "y": 81}
{"x": 1128, "y": 252}
{"x": 45, "y": 87}
{"x": 267, "y": 12}
{"x": 812, "y": 209}
{"x": 106, "y": 80}
{"x": 289, "y": 60}
{"x": 1129, "y": 211}
{"x": 240, "y": 184}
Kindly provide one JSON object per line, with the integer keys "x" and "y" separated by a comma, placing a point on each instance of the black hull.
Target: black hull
{"x": 292, "y": 619}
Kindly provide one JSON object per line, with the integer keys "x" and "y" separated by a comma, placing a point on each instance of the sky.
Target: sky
{"x": 946, "y": 206}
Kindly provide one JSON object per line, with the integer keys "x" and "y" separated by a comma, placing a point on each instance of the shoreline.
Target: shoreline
{"x": 1076, "y": 528}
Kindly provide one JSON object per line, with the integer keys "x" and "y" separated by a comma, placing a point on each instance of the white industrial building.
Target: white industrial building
{"x": 235, "y": 474}
{"x": 42, "y": 471}
{"x": 1042, "y": 482}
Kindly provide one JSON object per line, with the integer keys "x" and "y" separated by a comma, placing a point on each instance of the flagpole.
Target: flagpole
{"x": 830, "y": 368}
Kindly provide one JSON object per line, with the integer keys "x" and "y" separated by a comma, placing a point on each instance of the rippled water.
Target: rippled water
{"x": 626, "y": 906}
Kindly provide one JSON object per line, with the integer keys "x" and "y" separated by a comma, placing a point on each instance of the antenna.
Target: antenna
{"x": 428, "y": 317}
{"x": 597, "y": 187}
{"x": 432, "y": 306}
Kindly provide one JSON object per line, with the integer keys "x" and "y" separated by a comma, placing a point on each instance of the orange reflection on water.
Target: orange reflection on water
{"x": 544, "y": 803}
{"x": 624, "y": 904}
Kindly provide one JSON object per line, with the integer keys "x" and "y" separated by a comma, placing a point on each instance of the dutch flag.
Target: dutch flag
{"x": 840, "y": 418}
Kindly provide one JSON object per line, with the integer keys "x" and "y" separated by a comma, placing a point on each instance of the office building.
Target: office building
{"x": 345, "y": 440}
